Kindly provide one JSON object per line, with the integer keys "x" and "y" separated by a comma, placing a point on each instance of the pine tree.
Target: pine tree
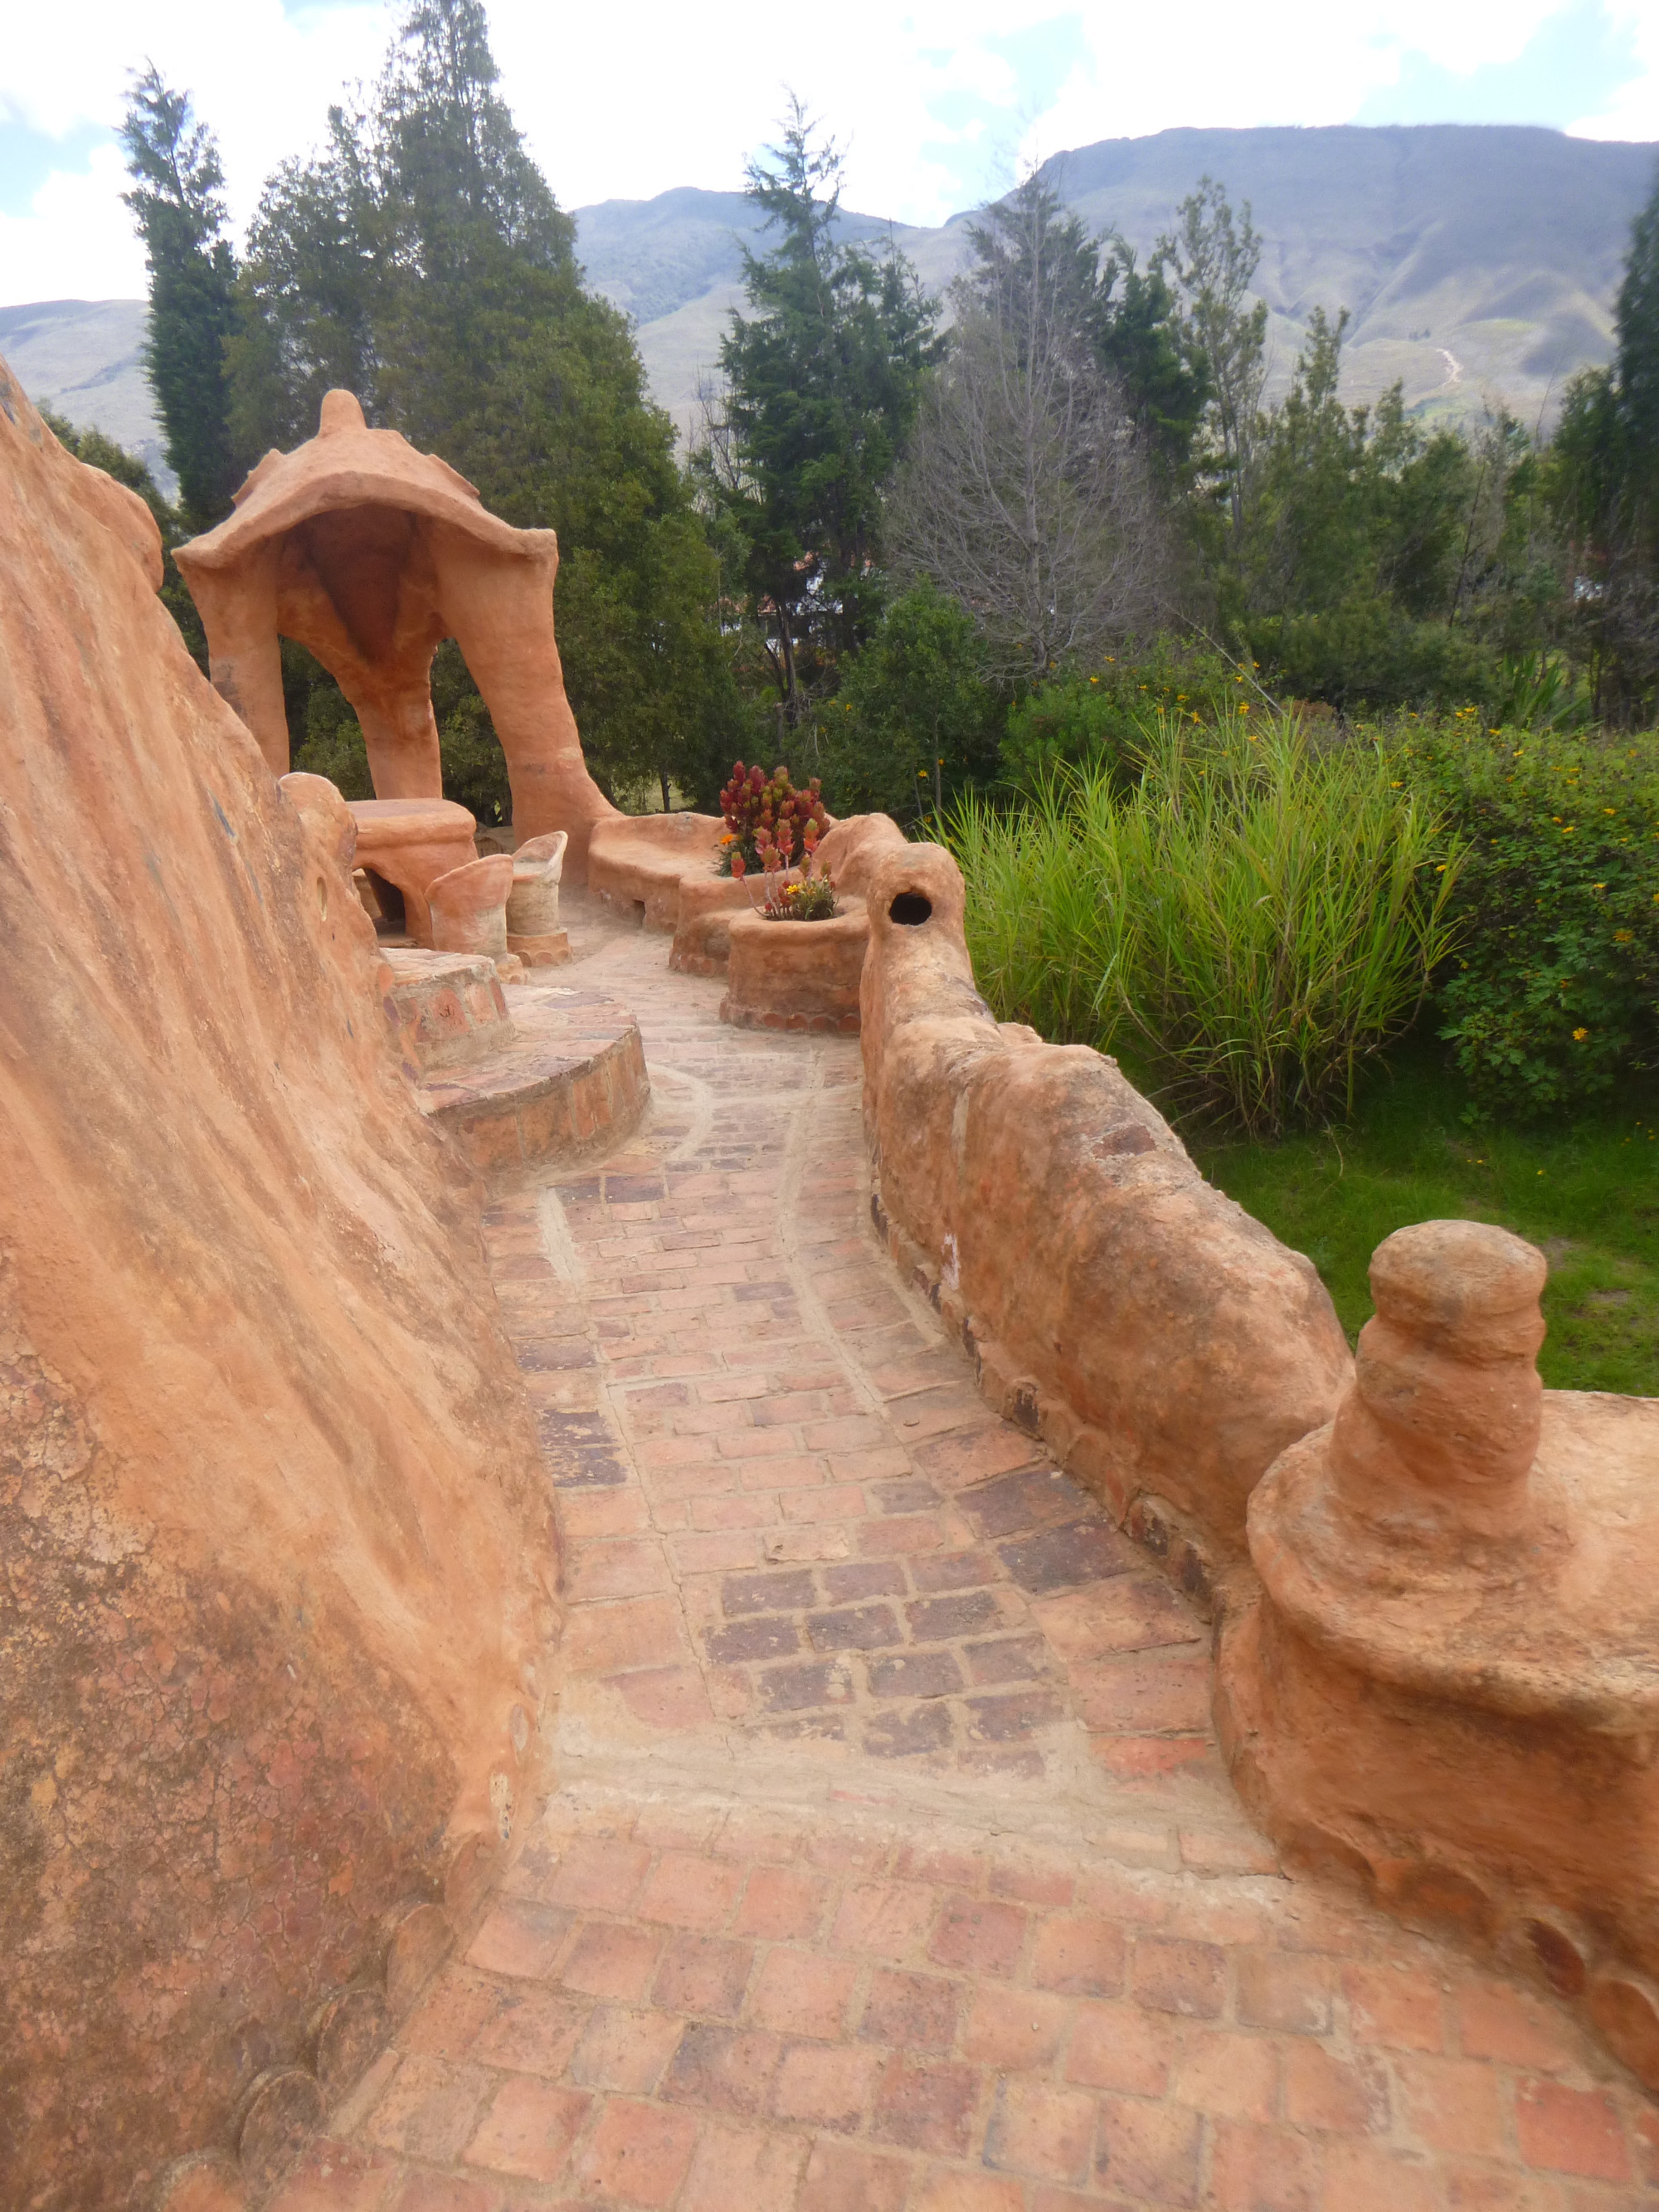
{"x": 311, "y": 287}
{"x": 177, "y": 195}
{"x": 821, "y": 382}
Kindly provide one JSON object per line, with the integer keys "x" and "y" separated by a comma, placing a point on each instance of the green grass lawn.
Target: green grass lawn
{"x": 1589, "y": 1197}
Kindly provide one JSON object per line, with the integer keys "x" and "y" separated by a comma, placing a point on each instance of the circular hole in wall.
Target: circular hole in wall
{"x": 912, "y": 908}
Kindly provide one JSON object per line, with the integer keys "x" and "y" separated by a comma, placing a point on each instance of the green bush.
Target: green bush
{"x": 1098, "y": 717}
{"x": 474, "y": 766}
{"x": 1366, "y": 655}
{"x": 1256, "y": 915}
{"x": 1553, "y": 996}
{"x": 917, "y": 719}
{"x": 333, "y": 742}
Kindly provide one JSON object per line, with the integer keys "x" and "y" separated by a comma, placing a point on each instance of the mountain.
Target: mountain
{"x": 1474, "y": 258}
{"x": 84, "y": 359}
{"x": 1479, "y": 261}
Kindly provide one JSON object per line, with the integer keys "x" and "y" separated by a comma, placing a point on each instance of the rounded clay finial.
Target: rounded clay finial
{"x": 1467, "y": 1287}
{"x": 342, "y": 411}
{"x": 1446, "y": 1400}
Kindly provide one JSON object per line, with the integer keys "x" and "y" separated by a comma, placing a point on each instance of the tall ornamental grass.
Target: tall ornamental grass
{"x": 1255, "y": 916}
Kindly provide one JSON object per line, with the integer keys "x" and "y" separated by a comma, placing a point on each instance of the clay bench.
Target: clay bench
{"x": 406, "y": 844}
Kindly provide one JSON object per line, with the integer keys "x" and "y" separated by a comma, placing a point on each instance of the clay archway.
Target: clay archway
{"x": 370, "y": 554}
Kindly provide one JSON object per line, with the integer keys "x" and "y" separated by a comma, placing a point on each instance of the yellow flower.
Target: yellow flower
{"x": 1579, "y": 1036}
{"x": 1621, "y": 937}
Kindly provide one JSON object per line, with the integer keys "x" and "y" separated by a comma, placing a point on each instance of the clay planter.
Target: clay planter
{"x": 469, "y": 907}
{"x": 797, "y": 974}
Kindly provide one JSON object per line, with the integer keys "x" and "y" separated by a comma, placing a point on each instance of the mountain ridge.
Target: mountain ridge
{"x": 1479, "y": 262}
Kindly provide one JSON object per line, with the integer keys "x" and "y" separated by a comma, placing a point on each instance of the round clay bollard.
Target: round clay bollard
{"x": 1446, "y": 1406}
{"x": 469, "y": 907}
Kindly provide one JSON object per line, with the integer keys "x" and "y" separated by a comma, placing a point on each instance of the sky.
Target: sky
{"x": 939, "y": 105}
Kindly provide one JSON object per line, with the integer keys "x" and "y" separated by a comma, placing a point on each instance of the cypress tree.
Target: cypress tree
{"x": 178, "y": 197}
{"x": 823, "y": 383}
{"x": 1636, "y": 324}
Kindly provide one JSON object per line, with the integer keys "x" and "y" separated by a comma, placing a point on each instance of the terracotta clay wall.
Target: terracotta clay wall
{"x": 1166, "y": 1345}
{"x": 278, "y": 1573}
{"x": 1436, "y": 1671}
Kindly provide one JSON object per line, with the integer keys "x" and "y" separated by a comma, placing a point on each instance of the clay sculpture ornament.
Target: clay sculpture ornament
{"x": 370, "y": 554}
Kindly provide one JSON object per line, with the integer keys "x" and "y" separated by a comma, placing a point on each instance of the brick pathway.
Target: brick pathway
{"x": 893, "y": 1869}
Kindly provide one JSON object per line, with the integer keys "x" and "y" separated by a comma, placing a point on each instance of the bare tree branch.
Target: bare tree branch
{"x": 1027, "y": 494}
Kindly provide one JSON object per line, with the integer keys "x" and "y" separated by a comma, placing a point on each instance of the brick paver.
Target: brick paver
{"x": 893, "y": 1865}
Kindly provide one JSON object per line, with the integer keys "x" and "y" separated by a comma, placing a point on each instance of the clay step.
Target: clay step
{"x": 568, "y": 1077}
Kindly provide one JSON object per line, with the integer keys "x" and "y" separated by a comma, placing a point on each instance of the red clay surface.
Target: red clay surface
{"x": 893, "y": 1869}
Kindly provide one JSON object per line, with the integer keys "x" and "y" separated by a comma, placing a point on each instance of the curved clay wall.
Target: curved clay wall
{"x": 1167, "y": 1344}
{"x": 1435, "y": 1662}
{"x": 278, "y": 1568}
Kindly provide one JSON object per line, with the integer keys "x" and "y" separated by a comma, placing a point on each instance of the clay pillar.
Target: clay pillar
{"x": 500, "y": 608}
{"x": 400, "y": 733}
{"x": 245, "y": 656}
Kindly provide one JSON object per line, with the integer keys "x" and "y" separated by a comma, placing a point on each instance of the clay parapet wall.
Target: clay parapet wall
{"x": 1439, "y": 1661}
{"x": 280, "y": 1572}
{"x": 1167, "y": 1345}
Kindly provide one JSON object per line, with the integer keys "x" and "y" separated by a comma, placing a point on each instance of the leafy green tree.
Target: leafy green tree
{"x": 1637, "y": 324}
{"x": 917, "y": 720}
{"x": 1212, "y": 257}
{"x": 1605, "y": 472}
{"x": 1139, "y": 337}
{"x": 820, "y": 386}
{"x": 177, "y": 195}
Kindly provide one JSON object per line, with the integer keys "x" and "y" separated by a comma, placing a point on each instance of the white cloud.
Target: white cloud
{"x": 1633, "y": 109}
{"x": 626, "y": 101}
{"x": 262, "y": 79}
{"x": 77, "y": 243}
{"x": 1290, "y": 61}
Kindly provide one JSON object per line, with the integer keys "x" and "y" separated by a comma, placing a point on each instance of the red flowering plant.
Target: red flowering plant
{"x": 791, "y": 896}
{"x": 754, "y": 804}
